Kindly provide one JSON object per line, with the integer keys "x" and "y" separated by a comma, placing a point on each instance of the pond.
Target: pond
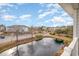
{"x": 44, "y": 47}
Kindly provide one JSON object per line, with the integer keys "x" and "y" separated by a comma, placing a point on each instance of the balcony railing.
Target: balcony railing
{"x": 71, "y": 49}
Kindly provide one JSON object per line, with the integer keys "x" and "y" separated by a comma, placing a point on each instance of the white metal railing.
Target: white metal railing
{"x": 68, "y": 50}
{"x": 8, "y": 52}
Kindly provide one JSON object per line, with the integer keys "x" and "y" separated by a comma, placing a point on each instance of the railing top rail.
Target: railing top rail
{"x": 68, "y": 50}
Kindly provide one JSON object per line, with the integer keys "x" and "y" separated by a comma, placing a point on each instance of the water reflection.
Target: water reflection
{"x": 44, "y": 47}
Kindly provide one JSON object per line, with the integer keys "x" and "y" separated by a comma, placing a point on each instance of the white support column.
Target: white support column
{"x": 75, "y": 32}
{"x": 73, "y": 10}
{"x": 78, "y": 29}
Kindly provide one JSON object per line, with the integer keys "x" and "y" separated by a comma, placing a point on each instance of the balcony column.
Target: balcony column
{"x": 78, "y": 28}
{"x": 75, "y": 30}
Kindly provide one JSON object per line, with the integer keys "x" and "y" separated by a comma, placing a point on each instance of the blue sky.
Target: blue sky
{"x": 34, "y": 14}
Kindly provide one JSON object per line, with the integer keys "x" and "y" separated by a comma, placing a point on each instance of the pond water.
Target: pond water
{"x": 44, "y": 47}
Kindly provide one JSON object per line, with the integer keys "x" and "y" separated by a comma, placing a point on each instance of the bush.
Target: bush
{"x": 70, "y": 36}
{"x": 59, "y": 41}
{"x": 67, "y": 42}
{"x": 39, "y": 37}
{"x": 52, "y": 33}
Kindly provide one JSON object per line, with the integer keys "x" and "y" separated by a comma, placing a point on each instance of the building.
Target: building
{"x": 2, "y": 28}
{"x": 50, "y": 29}
{"x": 15, "y": 28}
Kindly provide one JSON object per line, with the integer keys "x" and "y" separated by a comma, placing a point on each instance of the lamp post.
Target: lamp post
{"x": 17, "y": 31}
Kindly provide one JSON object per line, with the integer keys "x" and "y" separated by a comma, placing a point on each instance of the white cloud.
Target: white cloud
{"x": 57, "y": 19}
{"x": 48, "y": 11}
{"x": 64, "y": 14}
{"x": 69, "y": 23}
{"x": 42, "y": 4}
{"x": 3, "y": 4}
{"x": 45, "y": 13}
{"x": 6, "y": 4}
{"x": 39, "y": 24}
{"x": 25, "y": 17}
{"x": 8, "y": 17}
{"x": 49, "y": 5}
{"x": 40, "y": 11}
{"x": 20, "y": 3}
{"x": 47, "y": 21}
{"x": 57, "y": 6}
{"x": 3, "y": 11}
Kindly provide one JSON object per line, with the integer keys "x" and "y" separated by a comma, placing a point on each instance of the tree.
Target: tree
{"x": 2, "y": 28}
{"x": 58, "y": 31}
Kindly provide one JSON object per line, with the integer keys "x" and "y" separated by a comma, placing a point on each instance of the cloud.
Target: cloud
{"x": 39, "y": 24}
{"x": 39, "y": 11}
{"x": 69, "y": 23}
{"x": 64, "y": 14}
{"x": 57, "y": 6}
{"x": 49, "y": 10}
{"x": 13, "y": 17}
{"x": 24, "y": 17}
{"x": 3, "y": 4}
{"x": 47, "y": 21}
{"x": 6, "y": 4}
{"x": 3, "y": 11}
{"x": 44, "y": 14}
{"x": 50, "y": 5}
{"x": 57, "y": 19}
{"x": 8, "y": 17}
{"x": 42, "y": 4}
{"x": 60, "y": 21}
{"x": 20, "y": 3}
{"x": 7, "y": 7}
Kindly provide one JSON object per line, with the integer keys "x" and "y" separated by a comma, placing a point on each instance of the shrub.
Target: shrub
{"x": 59, "y": 41}
{"x": 52, "y": 33}
{"x": 70, "y": 36}
{"x": 67, "y": 42}
{"x": 39, "y": 37}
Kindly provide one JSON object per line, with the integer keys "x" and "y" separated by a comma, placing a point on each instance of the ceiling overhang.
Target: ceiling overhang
{"x": 70, "y": 8}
